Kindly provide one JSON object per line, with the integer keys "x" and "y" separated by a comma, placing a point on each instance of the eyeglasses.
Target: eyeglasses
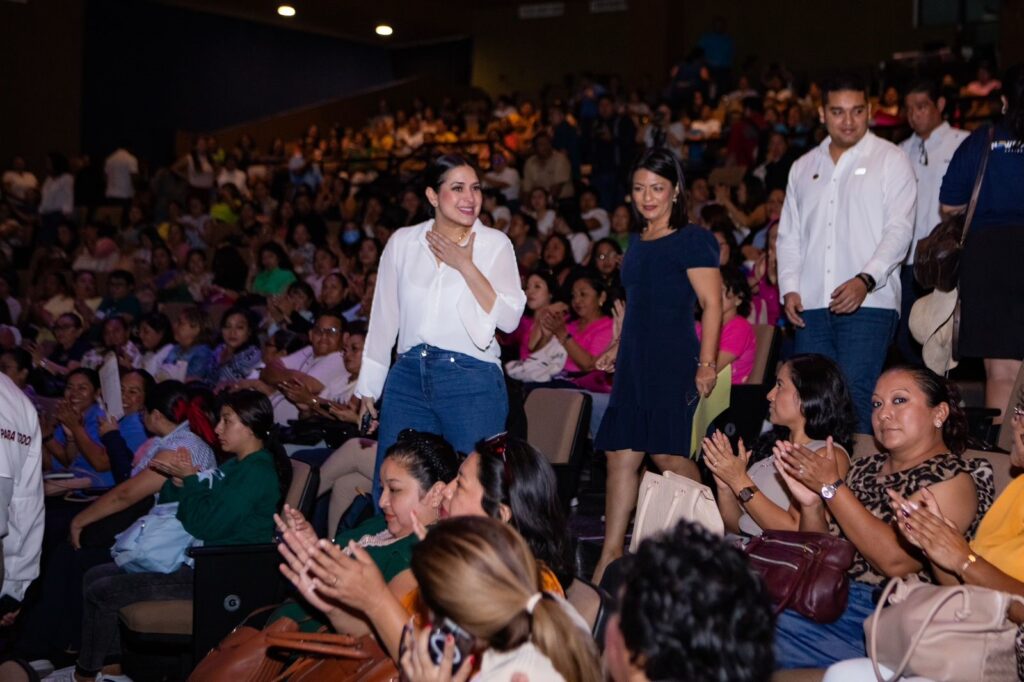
{"x": 923, "y": 158}
{"x": 330, "y": 331}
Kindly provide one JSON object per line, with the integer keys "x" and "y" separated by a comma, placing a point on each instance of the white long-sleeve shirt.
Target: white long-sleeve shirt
{"x": 841, "y": 219}
{"x": 21, "y": 464}
{"x": 419, "y": 301}
{"x": 930, "y": 166}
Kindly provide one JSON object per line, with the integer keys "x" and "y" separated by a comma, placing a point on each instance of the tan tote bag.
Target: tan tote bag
{"x": 667, "y": 499}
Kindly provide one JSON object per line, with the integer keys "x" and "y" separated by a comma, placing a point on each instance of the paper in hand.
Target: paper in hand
{"x": 110, "y": 384}
{"x": 710, "y": 407}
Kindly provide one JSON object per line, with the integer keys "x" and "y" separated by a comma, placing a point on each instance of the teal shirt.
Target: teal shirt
{"x": 272, "y": 282}
{"x": 233, "y": 504}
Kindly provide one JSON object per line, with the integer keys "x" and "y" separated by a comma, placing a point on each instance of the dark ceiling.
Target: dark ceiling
{"x": 414, "y": 21}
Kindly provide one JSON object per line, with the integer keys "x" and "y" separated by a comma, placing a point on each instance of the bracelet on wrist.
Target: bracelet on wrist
{"x": 970, "y": 561}
{"x": 709, "y": 365}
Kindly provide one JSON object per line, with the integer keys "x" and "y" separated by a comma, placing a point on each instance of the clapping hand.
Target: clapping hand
{"x": 814, "y": 470}
{"x": 924, "y": 526}
{"x": 176, "y": 465}
{"x": 728, "y": 468}
{"x": 68, "y": 415}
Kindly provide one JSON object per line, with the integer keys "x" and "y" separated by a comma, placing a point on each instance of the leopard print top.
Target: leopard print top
{"x": 869, "y": 484}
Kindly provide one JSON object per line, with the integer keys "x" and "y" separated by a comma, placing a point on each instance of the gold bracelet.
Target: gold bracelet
{"x": 710, "y": 365}
{"x": 971, "y": 560}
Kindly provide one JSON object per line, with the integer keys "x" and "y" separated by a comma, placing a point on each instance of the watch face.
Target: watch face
{"x": 828, "y": 491}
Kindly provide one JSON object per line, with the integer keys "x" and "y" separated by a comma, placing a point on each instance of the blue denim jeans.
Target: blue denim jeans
{"x": 443, "y": 392}
{"x": 802, "y": 643}
{"x": 858, "y": 342}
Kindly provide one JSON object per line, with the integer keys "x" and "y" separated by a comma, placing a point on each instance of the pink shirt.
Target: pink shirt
{"x": 738, "y": 338}
{"x": 765, "y": 303}
{"x": 595, "y": 339}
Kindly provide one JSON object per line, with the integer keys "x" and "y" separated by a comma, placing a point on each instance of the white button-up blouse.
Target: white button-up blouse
{"x": 420, "y": 301}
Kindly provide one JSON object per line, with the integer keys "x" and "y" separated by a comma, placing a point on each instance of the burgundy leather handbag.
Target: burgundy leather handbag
{"x": 805, "y": 572}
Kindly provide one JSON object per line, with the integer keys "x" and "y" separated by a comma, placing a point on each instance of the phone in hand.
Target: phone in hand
{"x": 463, "y": 643}
{"x": 364, "y": 424}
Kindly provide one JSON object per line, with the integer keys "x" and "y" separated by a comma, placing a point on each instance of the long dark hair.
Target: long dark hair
{"x": 161, "y": 324}
{"x": 663, "y": 163}
{"x": 148, "y": 382}
{"x": 172, "y": 399}
{"x": 250, "y": 318}
{"x": 825, "y": 403}
{"x": 255, "y": 411}
{"x": 515, "y": 474}
{"x": 937, "y": 389}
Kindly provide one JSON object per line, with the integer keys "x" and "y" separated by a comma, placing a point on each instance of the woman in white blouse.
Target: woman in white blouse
{"x": 443, "y": 286}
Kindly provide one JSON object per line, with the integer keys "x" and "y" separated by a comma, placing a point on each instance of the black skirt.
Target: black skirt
{"x": 992, "y": 294}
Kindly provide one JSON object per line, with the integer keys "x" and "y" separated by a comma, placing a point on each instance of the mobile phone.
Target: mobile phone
{"x": 364, "y": 424}
{"x": 463, "y": 643}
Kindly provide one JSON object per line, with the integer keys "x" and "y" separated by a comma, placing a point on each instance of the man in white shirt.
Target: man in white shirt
{"x": 232, "y": 174}
{"x": 17, "y": 181}
{"x": 930, "y": 149}
{"x": 121, "y": 168}
{"x": 502, "y": 177}
{"x": 599, "y": 225}
{"x": 317, "y": 369}
{"x": 846, "y": 227}
{"x": 549, "y": 169}
{"x": 21, "y": 494}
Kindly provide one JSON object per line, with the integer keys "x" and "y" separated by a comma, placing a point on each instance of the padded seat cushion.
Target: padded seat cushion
{"x": 159, "y": 617}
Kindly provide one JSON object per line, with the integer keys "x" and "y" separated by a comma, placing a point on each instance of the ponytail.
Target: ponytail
{"x": 561, "y": 640}
{"x": 255, "y": 411}
{"x": 198, "y": 420}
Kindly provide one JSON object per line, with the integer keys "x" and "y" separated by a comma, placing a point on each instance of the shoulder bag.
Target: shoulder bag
{"x": 806, "y": 572}
{"x": 943, "y": 633}
{"x": 327, "y": 656}
{"x": 937, "y": 256}
{"x": 667, "y": 499}
{"x": 155, "y": 543}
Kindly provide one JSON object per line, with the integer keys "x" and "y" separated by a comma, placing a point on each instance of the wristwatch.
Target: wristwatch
{"x": 868, "y": 280}
{"x": 747, "y": 494}
{"x": 829, "y": 491}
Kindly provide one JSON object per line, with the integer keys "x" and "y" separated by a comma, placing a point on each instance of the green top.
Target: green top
{"x": 272, "y": 282}
{"x": 391, "y": 560}
{"x": 233, "y": 504}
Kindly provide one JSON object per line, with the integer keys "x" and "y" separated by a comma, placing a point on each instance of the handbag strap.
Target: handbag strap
{"x": 326, "y": 643}
{"x": 948, "y": 593}
{"x": 977, "y": 185}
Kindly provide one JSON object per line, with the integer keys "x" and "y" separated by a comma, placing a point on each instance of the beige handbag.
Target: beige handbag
{"x": 667, "y": 499}
{"x": 943, "y": 633}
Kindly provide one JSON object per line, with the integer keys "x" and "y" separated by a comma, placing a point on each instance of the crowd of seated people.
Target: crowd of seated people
{"x": 233, "y": 288}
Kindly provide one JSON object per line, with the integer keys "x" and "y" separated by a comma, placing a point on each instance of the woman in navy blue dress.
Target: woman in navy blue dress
{"x": 661, "y": 370}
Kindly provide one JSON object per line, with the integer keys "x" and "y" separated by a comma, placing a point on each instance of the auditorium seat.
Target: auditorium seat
{"x": 557, "y": 421}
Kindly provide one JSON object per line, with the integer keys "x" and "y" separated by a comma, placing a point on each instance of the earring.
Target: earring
{"x": 938, "y": 423}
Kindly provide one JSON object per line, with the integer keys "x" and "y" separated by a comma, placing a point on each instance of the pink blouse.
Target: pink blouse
{"x": 595, "y": 339}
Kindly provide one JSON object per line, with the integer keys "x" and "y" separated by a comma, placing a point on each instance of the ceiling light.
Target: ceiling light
{"x": 384, "y": 30}
{"x": 286, "y": 11}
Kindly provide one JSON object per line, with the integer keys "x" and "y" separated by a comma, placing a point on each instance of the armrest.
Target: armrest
{"x": 230, "y": 550}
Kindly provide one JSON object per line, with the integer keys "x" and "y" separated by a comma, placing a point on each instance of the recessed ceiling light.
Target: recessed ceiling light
{"x": 384, "y": 30}
{"x": 286, "y": 11}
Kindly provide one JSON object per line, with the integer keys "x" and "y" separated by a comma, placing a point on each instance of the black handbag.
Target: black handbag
{"x": 937, "y": 256}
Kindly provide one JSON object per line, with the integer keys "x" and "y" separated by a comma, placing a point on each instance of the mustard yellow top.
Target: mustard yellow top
{"x": 1000, "y": 537}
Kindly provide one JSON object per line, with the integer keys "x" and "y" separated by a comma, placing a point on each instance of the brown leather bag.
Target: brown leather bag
{"x": 327, "y": 656}
{"x": 937, "y": 256}
{"x": 805, "y": 572}
{"x": 243, "y": 654}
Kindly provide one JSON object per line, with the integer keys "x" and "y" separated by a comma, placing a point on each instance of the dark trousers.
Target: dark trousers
{"x": 909, "y": 348}
{"x": 107, "y": 590}
{"x": 858, "y": 342}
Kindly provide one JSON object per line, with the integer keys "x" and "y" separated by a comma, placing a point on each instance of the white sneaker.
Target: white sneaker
{"x": 63, "y": 675}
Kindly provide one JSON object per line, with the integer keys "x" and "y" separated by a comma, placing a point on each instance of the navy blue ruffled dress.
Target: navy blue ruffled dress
{"x": 653, "y": 394}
